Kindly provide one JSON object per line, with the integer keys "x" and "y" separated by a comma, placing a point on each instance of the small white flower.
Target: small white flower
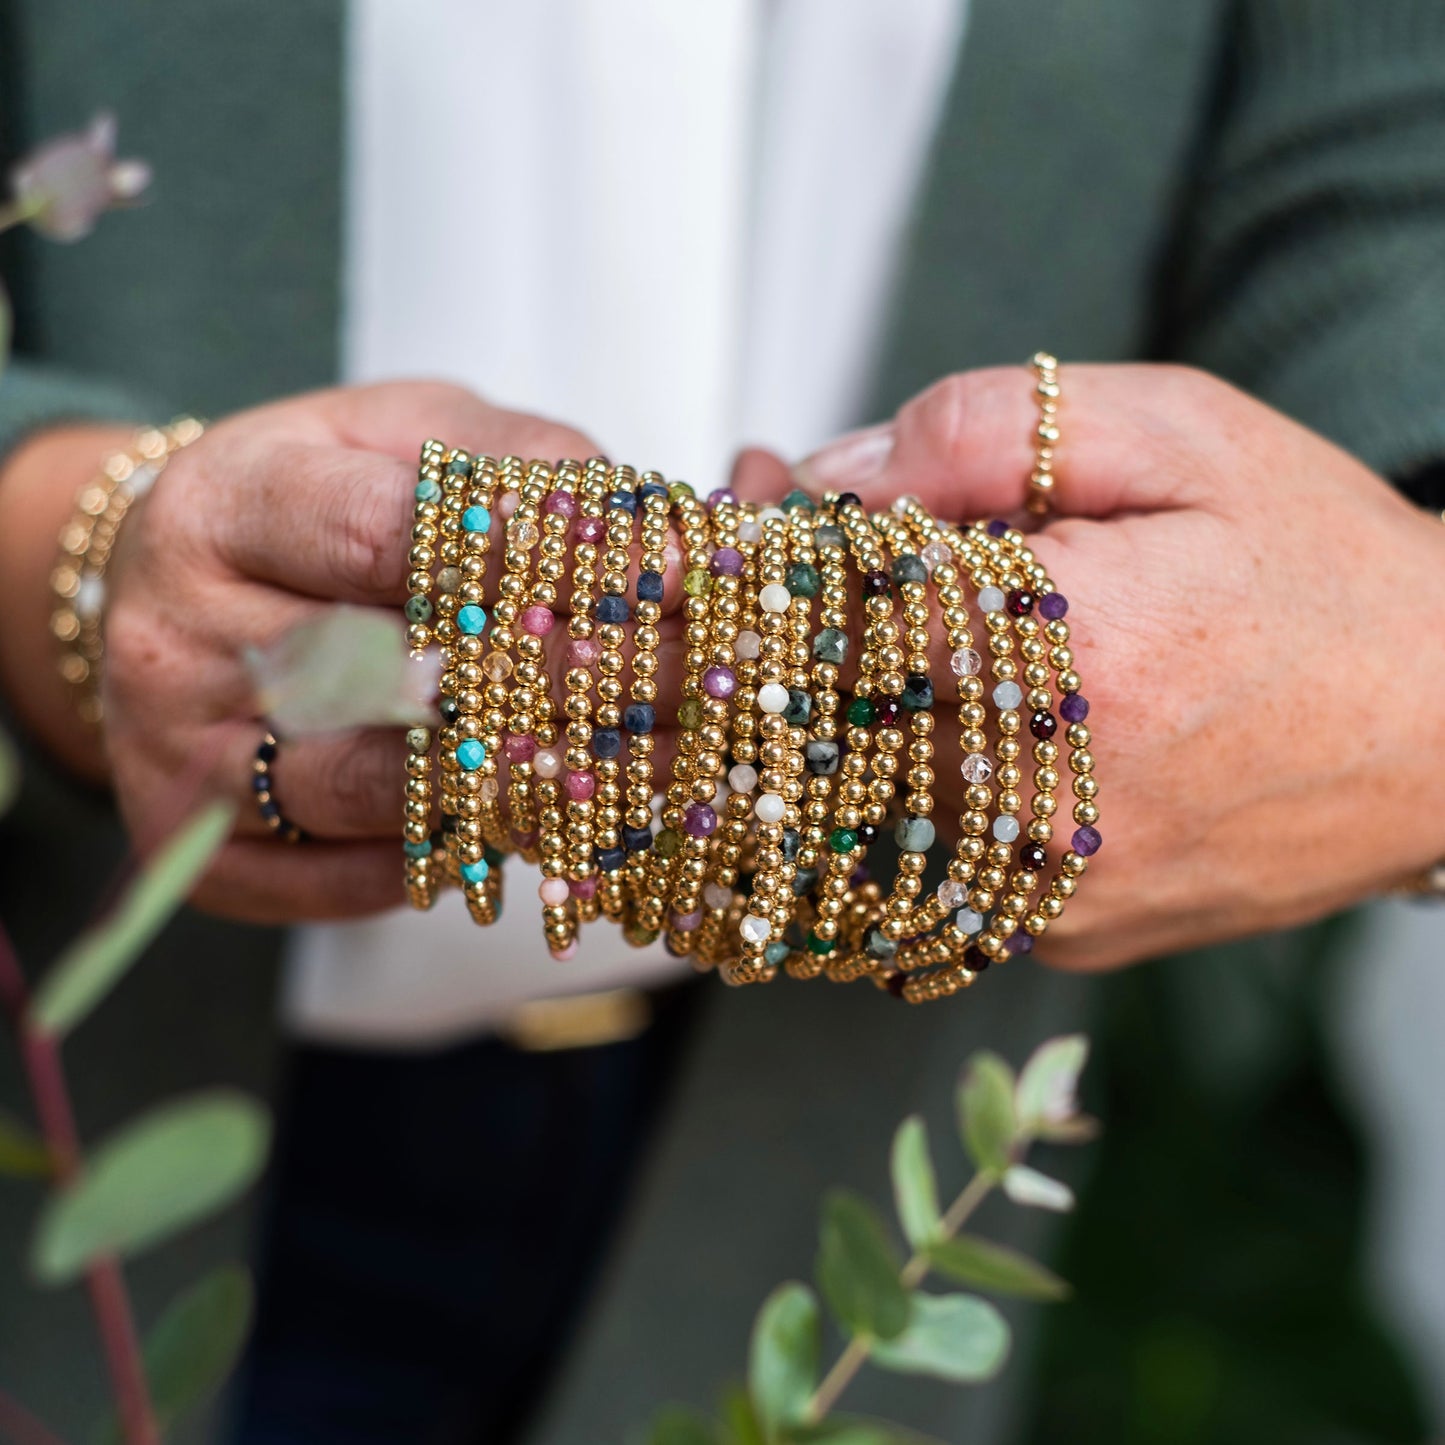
{"x": 64, "y": 186}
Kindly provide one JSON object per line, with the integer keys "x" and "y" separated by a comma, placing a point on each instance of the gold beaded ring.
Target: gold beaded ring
{"x": 1046, "y": 433}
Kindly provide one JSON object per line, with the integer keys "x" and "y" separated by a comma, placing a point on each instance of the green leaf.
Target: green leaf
{"x": 955, "y": 1337}
{"x": 996, "y": 1268}
{"x": 23, "y": 1154}
{"x": 195, "y": 1345}
{"x": 1037, "y": 1191}
{"x": 1047, "y": 1092}
{"x": 783, "y": 1358}
{"x": 857, "y": 1269}
{"x": 677, "y": 1426}
{"x": 9, "y": 758}
{"x": 740, "y": 1420}
{"x": 164, "y": 1171}
{"x": 986, "y": 1111}
{"x": 915, "y": 1189}
{"x": 101, "y": 956}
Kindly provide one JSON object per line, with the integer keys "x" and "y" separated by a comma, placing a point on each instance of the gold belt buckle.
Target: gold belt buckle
{"x": 577, "y": 1021}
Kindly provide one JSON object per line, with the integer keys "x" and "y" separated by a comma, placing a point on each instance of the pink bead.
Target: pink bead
{"x": 553, "y": 892}
{"x": 538, "y": 620}
{"x": 583, "y": 652}
{"x": 561, "y": 504}
{"x": 590, "y": 529}
{"x": 584, "y": 888}
{"x": 566, "y": 955}
{"x": 519, "y": 750}
{"x": 507, "y": 504}
{"x": 686, "y": 922}
{"x": 580, "y": 786}
{"x": 524, "y": 840}
{"x": 547, "y": 763}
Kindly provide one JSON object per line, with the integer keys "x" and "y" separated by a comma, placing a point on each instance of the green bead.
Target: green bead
{"x": 830, "y": 645}
{"x": 428, "y": 490}
{"x": 669, "y": 840}
{"x": 641, "y": 937}
{"x": 803, "y": 580}
{"x": 799, "y": 708}
{"x": 697, "y": 583}
{"x": 459, "y": 466}
{"x": 830, "y": 537}
{"x": 861, "y": 712}
{"x": 776, "y": 951}
{"x": 676, "y": 491}
{"x": 909, "y": 568}
{"x": 915, "y": 835}
{"x": 820, "y": 945}
{"x": 843, "y": 840}
{"x": 418, "y": 609}
{"x": 797, "y": 501}
{"x": 690, "y": 714}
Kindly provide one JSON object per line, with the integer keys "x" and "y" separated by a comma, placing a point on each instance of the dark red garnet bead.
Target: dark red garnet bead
{"x": 1043, "y": 724}
{"x": 876, "y": 584}
{"x": 849, "y": 499}
{"x": 895, "y": 983}
{"x": 867, "y": 833}
{"x": 1020, "y": 602}
{"x": 1032, "y": 856}
{"x": 890, "y": 709}
{"x": 976, "y": 960}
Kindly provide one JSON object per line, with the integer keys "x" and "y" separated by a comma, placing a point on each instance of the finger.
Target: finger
{"x": 268, "y": 881}
{"x": 965, "y": 447}
{"x": 759, "y": 475}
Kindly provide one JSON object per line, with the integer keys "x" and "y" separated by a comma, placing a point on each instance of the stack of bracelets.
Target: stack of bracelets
{"x": 780, "y": 781}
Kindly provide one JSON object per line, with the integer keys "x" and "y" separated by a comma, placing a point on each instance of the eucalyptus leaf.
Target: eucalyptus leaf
{"x": 740, "y": 1420}
{"x": 857, "y": 1269}
{"x": 915, "y": 1187}
{"x": 173, "y": 1166}
{"x": 995, "y": 1268}
{"x": 954, "y": 1337}
{"x": 986, "y": 1112}
{"x": 678, "y": 1426}
{"x": 9, "y": 758}
{"x": 347, "y": 667}
{"x": 102, "y": 955}
{"x": 1038, "y": 1191}
{"x": 195, "y": 1345}
{"x": 783, "y": 1358}
{"x": 23, "y": 1154}
{"x": 1047, "y": 1092}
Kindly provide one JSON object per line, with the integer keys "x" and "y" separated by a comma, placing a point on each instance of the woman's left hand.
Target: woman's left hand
{"x": 1259, "y": 622}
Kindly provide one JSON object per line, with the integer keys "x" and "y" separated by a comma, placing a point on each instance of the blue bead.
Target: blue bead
{"x": 476, "y": 872}
{"x": 626, "y": 500}
{"x": 610, "y": 859}
{"x": 636, "y": 840}
{"x": 649, "y": 587}
{"x": 611, "y": 609}
{"x": 470, "y": 754}
{"x": 260, "y": 783}
{"x": 270, "y": 811}
{"x": 472, "y": 619}
{"x": 417, "y": 850}
{"x": 651, "y": 489}
{"x": 477, "y": 519}
{"x": 639, "y": 717}
{"x": 428, "y": 490}
{"x": 606, "y": 742}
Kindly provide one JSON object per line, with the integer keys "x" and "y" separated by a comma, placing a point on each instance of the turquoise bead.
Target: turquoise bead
{"x": 915, "y": 835}
{"x": 470, "y": 754}
{"x": 477, "y": 519}
{"x": 459, "y": 466}
{"x": 476, "y": 872}
{"x": 471, "y": 618}
{"x": 418, "y": 609}
{"x": 417, "y": 850}
{"x": 428, "y": 490}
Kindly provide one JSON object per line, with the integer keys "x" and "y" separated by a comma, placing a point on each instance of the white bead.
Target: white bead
{"x": 965, "y": 662}
{"x": 952, "y": 893}
{"x": 936, "y": 554}
{"x": 773, "y": 697}
{"x": 1008, "y": 695}
{"x": 968, "y": 920}
{"x": 769, "y": 808}
{"x": 743, "y": 778}
{"x": 142, "y": 479}
{"x": 755, "y": 929}
{"x": 775, "y": 598}
{"x": 553, "y": 891}
{"x": 1005, "y": 827}
{"x": 991, "y": 599}
{"x": 717, "y": 895}
{"x": 749, "y": 532}
{"x": 902, "y": 504}
{"x": 546, "y": 764}
{"x": 976, "y": 768}
{"x": 772, "y": 514}
{"x": 89, "y": 597}
{"x": 748, "y": 644}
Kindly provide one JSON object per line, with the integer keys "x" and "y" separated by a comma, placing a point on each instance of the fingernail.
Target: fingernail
{"x": 848, "y": 462}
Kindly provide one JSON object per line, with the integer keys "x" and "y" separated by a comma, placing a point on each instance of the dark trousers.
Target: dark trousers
{"x": 435, "y": 1223}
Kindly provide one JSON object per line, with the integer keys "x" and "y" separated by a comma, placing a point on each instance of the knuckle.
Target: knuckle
{"x": 366, "y": 536}
{"x": 952, "y": 410}
{"x": 358, "y": 780}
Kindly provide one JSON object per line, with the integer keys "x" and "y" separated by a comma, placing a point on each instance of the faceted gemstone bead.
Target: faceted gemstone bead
{"x": 748, "y": 645}
{"x": 726, "y": 562}
{"x": 770, "y": 808}
{"x": 1033, "y": 857}
{"x": 1008, "y": 695}
{"x": 1073, "y": 707}
{"x": 749, "y": 531}
{"x": 686, "y": 922}
{"x": 428, "y": 490}
{"x": 722, "y": 497}
{"x": 1019, "y": 942}
{"x": 449, "y": 580}
{"x": 477, "y": 519}
{"x": 561, "y": 504}
{"x": 843, "y": 840}
{"x": 507, "y": 505}
{"x": 909, "y": 568}
{"x": 651, "y": 489}
{"x": 867, "y": 835}
{"x": 459, "y": 466}
{"x": 497, "y": 666}
{"x": 269, "y": 810}
{"x": 719, "y": 682}
{"x": 965, "y": 662}
{"x": 609, "y": 860}
{"x": 968, "y": 920}
{"x": 623, "y": 500}
{"x": 797, "y": 501}
{"x": 583, "y": 888}
{"x": 699, "y": 820}
{"x": 1019, "y": 602}
{"x": 820, "y": 755}
{"x": 820, "y": 946}
{"x": 488, "y": 789}
{"x": 791, "y": 842}
{"x": 417, "y": 850}
{"x": 830, "y": 537}
{"x": 991, "y": 599}
{"x": 649, "y": 586}
{"x": 697, "y": 583}
{"x": 830, "y": 645}
{"x": 997, "y": 527}
{"x": 875, "y": 945}
{"x": 742, "y": 777}
{"x": 669, "y": 840}
{"x": 1053, "y": 606}
{"x": 717, "y": 895}
{"x": 583, "y": 651}
{"x": 772, "y": 697}
{"x": 418, "y": 740}
{"x": 580, "y": 786}
{"x": 611, "y": 608}
{"x": 775, "y": 598}
{"x": 916, "y": 835}
{"x": 849, "y": 499}
{"x": 755, "y": 929}
{"x": 537, "y": 620}
{"x": 639, "y": 717}
{"x": 1006, "y": 827}
{"x": 476, "y": 872}
{"x": 471, "y": 754}
{"x": 472, "y": 619}
{"x": 690, "y": 714}
{"x": 804, "y": 580}
{"x": 590, "y": 529}
{"x": 776, "y": 952}
{"x": 547, "y": 763}
{"x": 449, "y": 709}
{"x": 418, "y": 609}
{"x": 895, "y": 983}
{"x": 606, "y": 743}
{"x": 1043, "y": 724}
{"x": 876, "y": 583}
{"x": 917, "y": 692}
{"x": 976, "y": 768}
{"x": 1087, "y": 841}
{"x": 861, "y": 712}
{"x": 799, "y": 708}
{"x": 553, "y": 892}
{"x": 952, "y": 894}
{"x": 976, "y": 960}
{"x": 936, "y": 555}
{"x": 890, "y": 709}
{"x": 804, "y": 880}
{"x": 636, "y": 840}
{"x": 678, "y": 491}
{"x": 522, "y": 533}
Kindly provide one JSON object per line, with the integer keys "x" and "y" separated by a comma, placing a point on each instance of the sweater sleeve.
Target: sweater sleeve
{"x": 34, "y": 395}
{"x": 1311, "y": 264}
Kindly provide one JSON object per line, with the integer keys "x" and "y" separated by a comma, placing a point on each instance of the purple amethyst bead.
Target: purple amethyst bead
{"x": 722, "y": 497}
{"x": 726, "y": 562}
{"x": 719, "y": 682}
{"x": 1087, "y": 841}
{"x": 1019, "y": 943}
{"x": 686, "y": 922}
{"x": 1053, "y": 605}
{"x": 997, "y": 527}
{"x": 699, "y": 820}
{"x": 1073, "y": 707}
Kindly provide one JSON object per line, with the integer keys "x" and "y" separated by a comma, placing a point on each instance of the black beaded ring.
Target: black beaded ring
{"x": 266, "y": 804}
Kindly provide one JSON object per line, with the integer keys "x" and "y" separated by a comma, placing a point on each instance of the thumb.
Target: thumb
{"x": 759, "y": 475}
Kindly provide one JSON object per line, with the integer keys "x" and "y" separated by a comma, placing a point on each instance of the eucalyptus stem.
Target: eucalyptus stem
{"x": 855, "y": 1355}
{"x": 13, "y": 213}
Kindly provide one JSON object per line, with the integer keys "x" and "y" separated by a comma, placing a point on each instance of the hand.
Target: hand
{"x": 1257, "y": 619}
{"x": 271, "y": 516}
